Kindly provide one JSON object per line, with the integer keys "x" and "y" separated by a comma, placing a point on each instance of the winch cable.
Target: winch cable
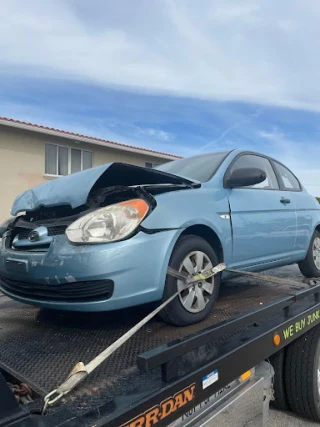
{"x": 81, "y": 371}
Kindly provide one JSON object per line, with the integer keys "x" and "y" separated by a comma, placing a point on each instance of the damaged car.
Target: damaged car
{"x": 103, "y": 239}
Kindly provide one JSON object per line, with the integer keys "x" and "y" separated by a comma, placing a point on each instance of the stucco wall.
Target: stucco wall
{"x": 22, "y": 161}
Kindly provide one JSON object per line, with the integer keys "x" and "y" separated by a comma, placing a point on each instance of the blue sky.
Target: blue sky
{"x": 177, "y": 76}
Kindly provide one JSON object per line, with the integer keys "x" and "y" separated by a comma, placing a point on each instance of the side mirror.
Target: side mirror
{"x": 243, "y": 177}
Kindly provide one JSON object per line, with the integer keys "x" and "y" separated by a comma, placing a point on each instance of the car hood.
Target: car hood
{"x": 73, "y": 190}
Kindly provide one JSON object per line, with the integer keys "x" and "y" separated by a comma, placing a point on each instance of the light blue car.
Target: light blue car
{"x": 103, "y": 239}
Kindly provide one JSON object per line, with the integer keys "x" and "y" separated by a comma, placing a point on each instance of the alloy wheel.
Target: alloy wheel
{"x": 316, "y": 252}
{"x": 195, "y": 298}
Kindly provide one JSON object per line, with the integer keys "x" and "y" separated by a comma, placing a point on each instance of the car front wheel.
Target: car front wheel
{"x": 191, "y": 255}
{"x": 310, "y": 266}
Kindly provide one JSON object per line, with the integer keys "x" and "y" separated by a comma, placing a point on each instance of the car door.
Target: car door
{"x": 305, "y": 207}
{"x": 263, "y": 218}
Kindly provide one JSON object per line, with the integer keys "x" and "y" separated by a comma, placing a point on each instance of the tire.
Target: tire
{"x": 301, "y": 375}
{"x": 308, "y": 267}
{"x": 176, "y": 313}
{"x": 280, "y": 395}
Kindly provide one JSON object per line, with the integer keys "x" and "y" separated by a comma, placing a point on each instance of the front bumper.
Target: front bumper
{"x": 137, "y": 267}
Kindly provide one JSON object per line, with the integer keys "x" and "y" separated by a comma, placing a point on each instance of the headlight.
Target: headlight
{"x": 109, "y": 224}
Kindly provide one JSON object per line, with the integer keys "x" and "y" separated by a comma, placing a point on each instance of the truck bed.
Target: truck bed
{"x": 41, "y": 347}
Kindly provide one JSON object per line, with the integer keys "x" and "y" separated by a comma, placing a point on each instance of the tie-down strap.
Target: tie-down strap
{"x": 81, "y": 371}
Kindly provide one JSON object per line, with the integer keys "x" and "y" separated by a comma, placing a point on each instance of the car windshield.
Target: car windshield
{"x": 198, "y": 168}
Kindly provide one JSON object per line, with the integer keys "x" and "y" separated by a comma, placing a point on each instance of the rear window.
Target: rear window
{"x": 289, "y": 181}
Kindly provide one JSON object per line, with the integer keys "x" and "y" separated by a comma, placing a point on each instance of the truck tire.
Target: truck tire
{"x": 191, "y": 254}
{"x": 310, "y": 266}
{"x": 302, "y": 375}
{"x": 280, "y": 395}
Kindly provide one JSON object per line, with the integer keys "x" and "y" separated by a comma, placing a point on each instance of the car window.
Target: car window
{"x": 252, "y": 161}
{"x": 289, "y": 181}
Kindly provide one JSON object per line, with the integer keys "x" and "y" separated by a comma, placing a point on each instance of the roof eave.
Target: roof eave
{"x": 88, "y": 140}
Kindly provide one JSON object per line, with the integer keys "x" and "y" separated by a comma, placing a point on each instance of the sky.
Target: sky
{"x": 179, "y": 76}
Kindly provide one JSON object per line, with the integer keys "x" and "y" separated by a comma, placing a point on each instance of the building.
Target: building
{"x": 31, "y": 154}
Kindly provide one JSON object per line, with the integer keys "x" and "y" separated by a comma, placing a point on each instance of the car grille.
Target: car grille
{"x": 96, "y": 290}
{"x": 52, "y": 231}
{"x": 22, "y": 234}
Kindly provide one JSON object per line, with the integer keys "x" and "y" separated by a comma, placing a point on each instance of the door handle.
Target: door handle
{"x": 285, "y": 201}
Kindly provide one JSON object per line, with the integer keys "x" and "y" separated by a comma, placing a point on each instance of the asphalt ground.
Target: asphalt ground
{"x": 286, "y": 419}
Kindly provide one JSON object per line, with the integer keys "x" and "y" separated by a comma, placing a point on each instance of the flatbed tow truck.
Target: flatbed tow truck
{"x": 260, "y": 344}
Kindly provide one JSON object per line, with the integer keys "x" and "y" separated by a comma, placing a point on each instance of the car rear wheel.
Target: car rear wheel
{"x": 310, "y": 266}
{"x": 191, "y": 255}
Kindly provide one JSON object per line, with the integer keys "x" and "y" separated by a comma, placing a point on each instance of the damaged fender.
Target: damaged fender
{"x": 175, "y": 210}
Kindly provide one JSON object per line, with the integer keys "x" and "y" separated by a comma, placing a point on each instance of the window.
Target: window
{"x": 75, "y": 160}
{"x": 61, "y": 160}
{"x": 252, "y": 161}
{"x": 151, "y": 165}
{"x": 289, "y": 181}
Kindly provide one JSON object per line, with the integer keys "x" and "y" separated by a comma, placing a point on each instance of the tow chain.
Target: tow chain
{"x": 22, "y": 392}
{"x": 81, "y": 371}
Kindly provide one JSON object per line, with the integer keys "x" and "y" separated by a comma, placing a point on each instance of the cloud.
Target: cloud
{"x": 157, "y": 134}
{"x": 258, "y": 52}
{"x": 222, "y": 137}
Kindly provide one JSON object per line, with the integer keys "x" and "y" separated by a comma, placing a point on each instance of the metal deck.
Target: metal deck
{"x": 41, "y": 347}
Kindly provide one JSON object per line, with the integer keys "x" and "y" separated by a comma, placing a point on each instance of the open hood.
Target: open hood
{"x": 73, "y": 190}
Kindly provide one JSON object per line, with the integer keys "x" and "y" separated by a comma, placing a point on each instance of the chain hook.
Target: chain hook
{"x": 49, "y": 402}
